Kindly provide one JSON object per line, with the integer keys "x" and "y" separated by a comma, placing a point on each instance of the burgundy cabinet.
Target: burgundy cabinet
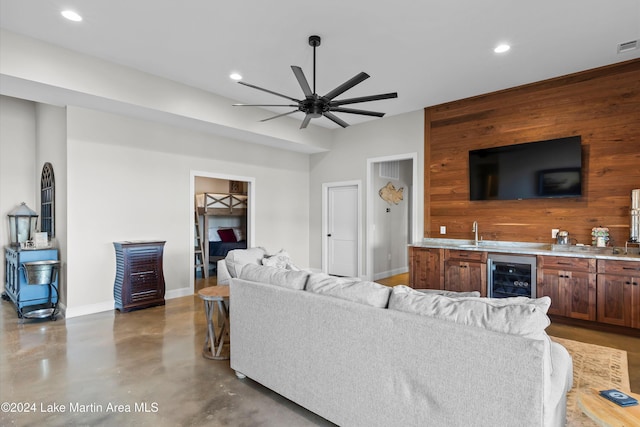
{"x": 139, "y": 277}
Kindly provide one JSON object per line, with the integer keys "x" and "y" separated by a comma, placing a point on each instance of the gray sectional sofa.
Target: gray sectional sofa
{"x": 361, "y": 354}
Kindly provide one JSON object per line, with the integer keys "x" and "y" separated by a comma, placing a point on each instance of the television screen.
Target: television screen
{"x": 532, "y": 170}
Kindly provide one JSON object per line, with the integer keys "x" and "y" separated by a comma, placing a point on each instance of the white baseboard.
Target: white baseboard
{"x": 177, "y": 293}
{"x": 83, "y": 310}
{"x": 392, "y": 272}
{"x": 110, "y": 305}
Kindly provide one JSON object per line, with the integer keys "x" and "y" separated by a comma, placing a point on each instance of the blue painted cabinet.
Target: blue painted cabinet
{"x": 16, "y": 287}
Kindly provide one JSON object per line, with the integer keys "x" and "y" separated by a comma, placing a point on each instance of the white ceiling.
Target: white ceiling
{"x": 428, "y": 51}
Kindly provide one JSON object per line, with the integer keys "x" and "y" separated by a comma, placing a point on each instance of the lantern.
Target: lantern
{"x": 22, "y": 224}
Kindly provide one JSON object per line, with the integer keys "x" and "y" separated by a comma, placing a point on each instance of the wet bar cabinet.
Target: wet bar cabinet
{"x": 139, "y": 276}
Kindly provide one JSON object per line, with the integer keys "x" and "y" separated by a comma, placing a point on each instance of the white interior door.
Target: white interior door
{"x": 342, "y": 230}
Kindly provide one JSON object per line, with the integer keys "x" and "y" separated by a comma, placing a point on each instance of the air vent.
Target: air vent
{"x": 626, "y": 47}
{"x": 390, "y": 170}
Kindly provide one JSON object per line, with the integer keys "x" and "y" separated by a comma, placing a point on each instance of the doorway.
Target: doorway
{"x": 392, "y": 214}
{"x": 227, "y": 223}
{"x": 341, "y": 241}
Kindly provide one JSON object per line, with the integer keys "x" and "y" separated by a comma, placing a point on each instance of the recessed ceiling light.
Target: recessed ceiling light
{"x": 71, "y": 15}
{"x": 502, "y": 48}
{"x": 235, "y": 76}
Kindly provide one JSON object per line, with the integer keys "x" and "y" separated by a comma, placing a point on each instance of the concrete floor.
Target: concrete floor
{"x": 145, "y": 368}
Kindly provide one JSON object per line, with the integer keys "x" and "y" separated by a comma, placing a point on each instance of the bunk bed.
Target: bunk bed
{"x": 224, "y": 223}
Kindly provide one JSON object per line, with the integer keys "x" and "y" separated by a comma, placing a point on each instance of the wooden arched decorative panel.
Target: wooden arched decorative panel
{"x": 47, "y": 200}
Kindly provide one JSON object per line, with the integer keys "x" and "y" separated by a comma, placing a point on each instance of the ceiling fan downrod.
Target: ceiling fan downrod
{"x": 314, "y": 41}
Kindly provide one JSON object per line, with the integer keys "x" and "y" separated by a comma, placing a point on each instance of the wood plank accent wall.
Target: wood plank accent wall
{"x": 601, "y": 105}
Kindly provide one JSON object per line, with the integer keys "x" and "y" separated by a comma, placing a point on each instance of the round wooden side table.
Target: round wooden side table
{"x": 606, "y": 413}
{"x": 215, "y": 296}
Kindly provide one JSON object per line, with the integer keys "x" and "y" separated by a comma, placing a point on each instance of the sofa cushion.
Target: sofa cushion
{"x": 349, "y": 288}
{"x": 517, "y": 317}
{"x": 238, "y": 258}
{"x": 274, "y": 276}
{"x": 451, "y": 294}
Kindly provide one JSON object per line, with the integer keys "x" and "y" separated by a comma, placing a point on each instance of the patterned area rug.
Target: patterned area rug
{"x": 593, "y": 366}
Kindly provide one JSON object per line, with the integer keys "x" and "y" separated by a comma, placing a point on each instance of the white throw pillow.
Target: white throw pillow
{"x": 279, "y": 260}
{"x": 238, "y": 258}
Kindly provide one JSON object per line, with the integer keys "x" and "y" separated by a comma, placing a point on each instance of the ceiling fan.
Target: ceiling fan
{"x": 314, "y": 105}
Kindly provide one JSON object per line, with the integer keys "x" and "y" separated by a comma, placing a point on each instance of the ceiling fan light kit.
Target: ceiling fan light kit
{"x": 314, "y": 105}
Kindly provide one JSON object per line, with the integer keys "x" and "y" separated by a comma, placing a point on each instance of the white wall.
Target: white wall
{"x": 51, "y": 146}
{"x": 347, "y": 161}
{"x": 391, "y": 222}
{"x": 129, "y": 179}
{"x": 39, "y": 71}
{"x": 17, "y": 161}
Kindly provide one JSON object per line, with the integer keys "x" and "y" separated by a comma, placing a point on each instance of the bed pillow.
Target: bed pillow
{"x": 239, "y": 233}
{"x": 227, "y": 235}
{"x": 213, "y": 235}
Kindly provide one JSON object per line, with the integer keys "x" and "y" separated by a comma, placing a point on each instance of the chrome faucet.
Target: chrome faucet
{"x": 475, "y": 230}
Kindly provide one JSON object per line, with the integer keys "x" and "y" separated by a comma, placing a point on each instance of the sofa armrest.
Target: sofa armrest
{"x": 223, "y": 273}
{"x": 558, "y": 385}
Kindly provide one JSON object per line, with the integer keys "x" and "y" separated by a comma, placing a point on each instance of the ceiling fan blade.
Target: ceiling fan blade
{"x": 335, "y": 119}
{"x": 305, "y": 121}
{"x": 364, "y": 99}
{"x": 304, "y": 84}
{"x": 269, "y": 91}
{"x": 264, "y": 105}
{"x": 279, "y": 115}
{"x": 347, "y": 85}
{"x": 354, "y": 111}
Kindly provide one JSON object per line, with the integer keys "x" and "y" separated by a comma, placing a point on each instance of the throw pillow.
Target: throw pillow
{"x": 239, "y": 233}
{"x": 238, "y": 258}
{"x": 227, "y": 235}
{"x": 349, "y": 288}
{"x": 279, "y": 260}
{"x": 295, "y": 280}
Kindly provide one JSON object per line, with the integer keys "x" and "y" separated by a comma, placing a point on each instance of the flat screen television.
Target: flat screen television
{"x": 533, "y": 170}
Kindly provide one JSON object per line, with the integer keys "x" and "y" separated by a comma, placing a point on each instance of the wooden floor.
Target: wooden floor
{"x": 623, "y": 342}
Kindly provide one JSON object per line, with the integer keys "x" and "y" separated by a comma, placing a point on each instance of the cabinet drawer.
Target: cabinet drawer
{"x": 628, "y": 268}
{"x": 466, "y": 255}
{"x": 567, "y": 263}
